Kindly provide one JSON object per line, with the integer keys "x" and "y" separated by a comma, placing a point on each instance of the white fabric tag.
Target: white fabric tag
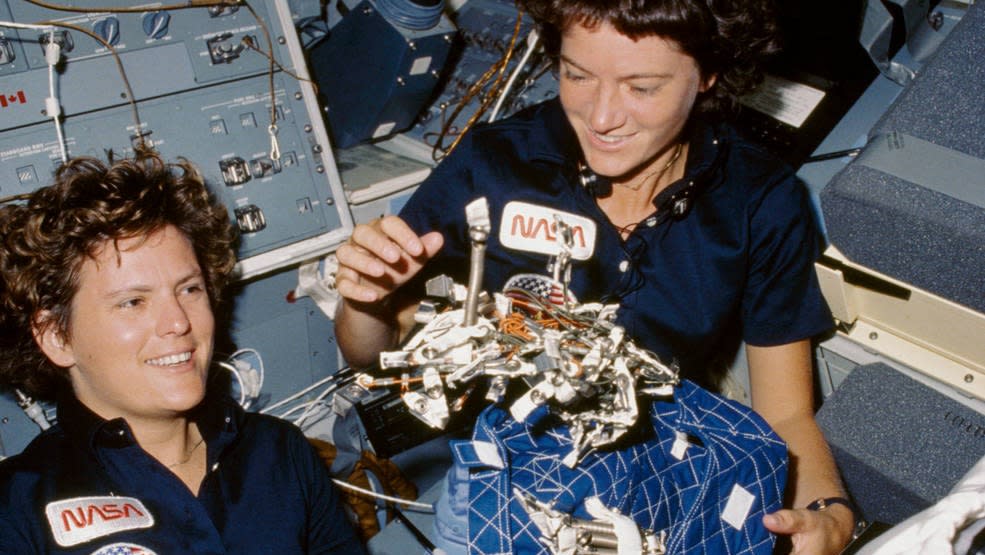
{"x": 737, "y": 507}
{"x": 487, "y": 453}
{"x": 531, "y": 228}
{"x": 81, "y": 519}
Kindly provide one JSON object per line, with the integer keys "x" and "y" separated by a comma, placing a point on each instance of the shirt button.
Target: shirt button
{"x": 623, "y": 266}
{"x": 651, "y": 221}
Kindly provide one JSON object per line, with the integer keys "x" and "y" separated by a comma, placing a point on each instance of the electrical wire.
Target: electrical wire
{"x": 52, "y": 54}
{"x": 137, "y": 9}
{"x": 303, "y": 406}
{"x": 425, "y": 507}
{"x": 299, "y": 422}
{"x": 533, "y": 40}
{"x": 119, "y": 66}
{"x": 248, "y": 42}
{"x": 28, "y": 26}
{"x": 272, "y": 128}
{"x": 258, "y": 367}
{"x": 498, "y": 69}
{"x": 310, "y": 388}
{"x": 848, "y": 152}
{"x": 235, "y": 373}
{"x": 426, "y": 543}
{"x": 249, "y": 388}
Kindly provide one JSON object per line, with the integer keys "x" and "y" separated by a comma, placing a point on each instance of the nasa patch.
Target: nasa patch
{"x": 81, "y": 519}
{"x": 532, "y": 228}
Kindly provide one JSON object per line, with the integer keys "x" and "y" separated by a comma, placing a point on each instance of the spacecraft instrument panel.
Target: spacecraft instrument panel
{"x": 308, "y": 117}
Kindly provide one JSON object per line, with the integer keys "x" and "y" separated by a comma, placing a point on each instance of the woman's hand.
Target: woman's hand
{"x": 824, "y": 532}
{"x": 380, "y": 257}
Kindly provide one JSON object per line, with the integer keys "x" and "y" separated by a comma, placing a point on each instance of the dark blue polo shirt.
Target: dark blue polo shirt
{"x": 85, "y": 487}
{"x": 737, "y": 265}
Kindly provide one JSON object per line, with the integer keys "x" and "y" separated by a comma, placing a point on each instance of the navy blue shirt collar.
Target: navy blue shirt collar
{"x": 555, "y": 143}
{"x": 218, "y": 418}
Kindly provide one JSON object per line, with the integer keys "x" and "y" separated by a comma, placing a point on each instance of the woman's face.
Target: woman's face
{"x": 628, "y": 100}
{"x": 139, "y": 339}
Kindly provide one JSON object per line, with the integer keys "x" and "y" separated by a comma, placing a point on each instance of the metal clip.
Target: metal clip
{"x": 274, "y": 144}
{"x": 610, "y": 532}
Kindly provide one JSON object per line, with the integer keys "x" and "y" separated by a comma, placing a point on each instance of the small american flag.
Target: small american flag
{"x": 123, "y": 549}
{"x": 541, "y": 287}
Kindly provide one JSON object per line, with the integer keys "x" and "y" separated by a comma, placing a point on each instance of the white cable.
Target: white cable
{"x": 416, "y": 504}
{"x": 259, "y": 385}
{"x": 286, "y": 400}
{"x": 235, "y": 372}
{"x": 532, "y": 40}
{"x": 251, "y": 381}
{"x": 52, "y": 54}
{"x": 292, "y": 410}
{"x": 316, "y": 401}
{"x": 26, "y": 26}
{"x": 249, "y": 378}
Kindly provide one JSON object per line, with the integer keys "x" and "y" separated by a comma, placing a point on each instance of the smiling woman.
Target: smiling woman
{"x": 139, "y": 336}
{"x": 108, "y": 281}
{"x": 703, "y": 238}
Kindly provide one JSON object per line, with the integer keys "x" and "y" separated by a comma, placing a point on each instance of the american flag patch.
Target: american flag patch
{"x": 542, "y": 287}
{"x": 123, "y": 549}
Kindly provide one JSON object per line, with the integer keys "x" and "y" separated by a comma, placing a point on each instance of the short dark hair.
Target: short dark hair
{"x": 727, "y": 38}
{"x": 45, "y": 240}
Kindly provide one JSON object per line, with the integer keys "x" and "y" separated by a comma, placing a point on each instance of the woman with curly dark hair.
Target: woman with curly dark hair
{"x": 702, "y": 237}
{"x": 108, "y": 282}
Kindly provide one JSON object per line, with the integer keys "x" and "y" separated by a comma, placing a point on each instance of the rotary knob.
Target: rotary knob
{"x": 156, "y": 24}
{"x": 108, "y": 29}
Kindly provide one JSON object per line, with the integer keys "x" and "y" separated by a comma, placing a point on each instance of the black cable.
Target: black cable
{"x": 852, "y": 152}
{"x": 426, "y": 543}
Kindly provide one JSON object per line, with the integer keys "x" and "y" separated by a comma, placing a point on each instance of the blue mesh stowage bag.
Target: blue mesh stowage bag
{"x": 709, "y": 491}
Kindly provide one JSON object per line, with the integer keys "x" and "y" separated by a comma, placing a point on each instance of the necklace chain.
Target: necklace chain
{"x": 659, "y": 173}
{"x": 188, "y": 457}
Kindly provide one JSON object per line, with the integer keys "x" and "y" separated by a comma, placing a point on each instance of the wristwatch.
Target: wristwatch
{"x": 822, "y": 503}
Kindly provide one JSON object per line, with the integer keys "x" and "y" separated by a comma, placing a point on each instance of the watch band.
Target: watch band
{"x": 822, "y": 503}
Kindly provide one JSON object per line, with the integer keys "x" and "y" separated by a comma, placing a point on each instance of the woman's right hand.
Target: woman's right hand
{"x": 380, "y": 257}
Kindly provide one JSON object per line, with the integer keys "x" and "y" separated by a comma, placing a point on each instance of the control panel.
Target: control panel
{"x": 224, "y": 86}
{"x": 196, "y": 83}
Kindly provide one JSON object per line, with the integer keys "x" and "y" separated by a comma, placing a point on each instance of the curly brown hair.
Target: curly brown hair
{"x": 727, "y": 38}
{"x": 44, "y": 242}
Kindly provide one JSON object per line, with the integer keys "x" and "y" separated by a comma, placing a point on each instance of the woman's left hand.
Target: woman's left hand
{"x": 824, "y": 532}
